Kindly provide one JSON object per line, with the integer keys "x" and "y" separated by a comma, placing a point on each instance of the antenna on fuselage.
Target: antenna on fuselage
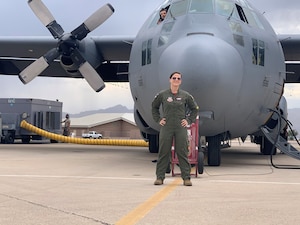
{"x": 287, "y": 38}
{"x": 128, "y": 42}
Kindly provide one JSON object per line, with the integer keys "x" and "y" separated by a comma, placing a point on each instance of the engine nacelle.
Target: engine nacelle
{"x": 90, "y": 53}
{"x": 67, "y": 63}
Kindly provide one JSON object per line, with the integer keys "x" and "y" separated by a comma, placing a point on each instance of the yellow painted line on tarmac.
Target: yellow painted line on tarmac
{"x": 143, "y": 209}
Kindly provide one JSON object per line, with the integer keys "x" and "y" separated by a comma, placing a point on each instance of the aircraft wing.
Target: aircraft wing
{"x": 16, "y": 53}
{"x": 291, "y": 49}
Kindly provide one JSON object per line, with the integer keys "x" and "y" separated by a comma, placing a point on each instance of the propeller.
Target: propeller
{"x": 45, "y": 16}
{"x": 68, "y": 44}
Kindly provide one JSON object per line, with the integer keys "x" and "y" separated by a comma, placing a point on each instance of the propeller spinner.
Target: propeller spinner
{"x": 67, "y": 44}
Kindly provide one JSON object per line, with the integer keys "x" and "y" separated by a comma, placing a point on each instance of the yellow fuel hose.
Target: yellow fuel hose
{"x": 24, "y": 124}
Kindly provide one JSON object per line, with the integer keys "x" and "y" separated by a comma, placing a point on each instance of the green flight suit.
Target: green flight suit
{"x": 175, "y": 107}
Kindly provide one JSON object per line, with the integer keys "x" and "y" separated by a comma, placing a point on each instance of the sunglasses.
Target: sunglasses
{"x": 176, "y": 78}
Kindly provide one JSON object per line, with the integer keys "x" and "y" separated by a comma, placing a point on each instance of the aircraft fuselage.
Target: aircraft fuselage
{"x": 229, "y": 56}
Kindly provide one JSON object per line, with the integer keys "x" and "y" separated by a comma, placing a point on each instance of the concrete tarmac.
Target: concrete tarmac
{"x": 69, "y": 184}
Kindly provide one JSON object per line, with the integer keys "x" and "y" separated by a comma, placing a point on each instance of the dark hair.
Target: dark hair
{"x": 174, "y": 73}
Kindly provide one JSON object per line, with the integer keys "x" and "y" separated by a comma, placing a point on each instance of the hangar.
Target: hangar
{"x": 110, "y": 125}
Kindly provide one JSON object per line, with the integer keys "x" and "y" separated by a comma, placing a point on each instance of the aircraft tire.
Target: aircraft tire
{"x": 200, "y": 162}
{"x": 266, "y": 147}
{"x": 214, "y": 151}
{"x": 9, "y": 138}
{"x": 153, "y": 143}
{"x": 25, "y": 140}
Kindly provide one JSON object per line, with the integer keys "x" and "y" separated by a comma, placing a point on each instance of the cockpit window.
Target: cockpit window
{"x": 225, "y": 8}
{"x": 178, "y": 9}
{"x": 258, "y": 22}
{"x": 240, "y": 10}
{"x": 162, "y": 15}
{"x": 253, "y": 19}
{"x": 242, "y": 14}
{"x": 154, "y": 18}
{"x": 201, "y": 6}
{"x": 249, "y": 16}
{"x": 244, "y": 3}
{"x": 165, "y": 33}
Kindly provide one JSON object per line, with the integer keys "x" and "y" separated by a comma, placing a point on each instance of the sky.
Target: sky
{"x": 17, "y": 19}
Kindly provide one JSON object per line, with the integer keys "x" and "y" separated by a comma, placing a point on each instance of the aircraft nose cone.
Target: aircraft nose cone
{"x": 208, "y": 65}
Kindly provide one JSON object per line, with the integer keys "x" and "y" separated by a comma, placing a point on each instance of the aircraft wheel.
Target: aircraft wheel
{"x": 214, "y": 151}
{"x": 266, "y": 147}
{"x": 9, "y": 139}
{"x": 153, "y": 143}
{"x": 25, "y": 140}
{"x": 200, "y": 162}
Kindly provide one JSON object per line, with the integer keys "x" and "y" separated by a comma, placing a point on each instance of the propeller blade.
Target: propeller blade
{"x": 99, "y": 17}
{"x": 92, "y": 77}
{"x": 45, "y": 16}
{"x": 87, "y": 71}
{"x": 95, "y": 20}
{"x": 33, "y": 70}
{"x": 38, "y": 66}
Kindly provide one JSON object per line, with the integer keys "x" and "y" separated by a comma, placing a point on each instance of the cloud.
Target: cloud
{"x": 282, "y": 15}
{"x": 128, "y": 17}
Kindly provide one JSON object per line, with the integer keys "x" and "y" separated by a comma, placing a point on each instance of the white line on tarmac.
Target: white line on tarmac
{"x": 140, "y": 178}
{"x": 74, "y": 177}
{"x": 253, "y": 182}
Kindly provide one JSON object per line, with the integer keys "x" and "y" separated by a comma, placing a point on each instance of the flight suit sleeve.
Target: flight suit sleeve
{"x": 193, "y": 107}
{"x": 155, "y": 107}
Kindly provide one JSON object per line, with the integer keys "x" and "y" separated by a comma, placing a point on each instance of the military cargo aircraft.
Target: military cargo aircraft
{"x": 232, "y": 62}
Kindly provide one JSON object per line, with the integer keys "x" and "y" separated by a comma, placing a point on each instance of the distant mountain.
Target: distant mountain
{"x": 114, "y": 109}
